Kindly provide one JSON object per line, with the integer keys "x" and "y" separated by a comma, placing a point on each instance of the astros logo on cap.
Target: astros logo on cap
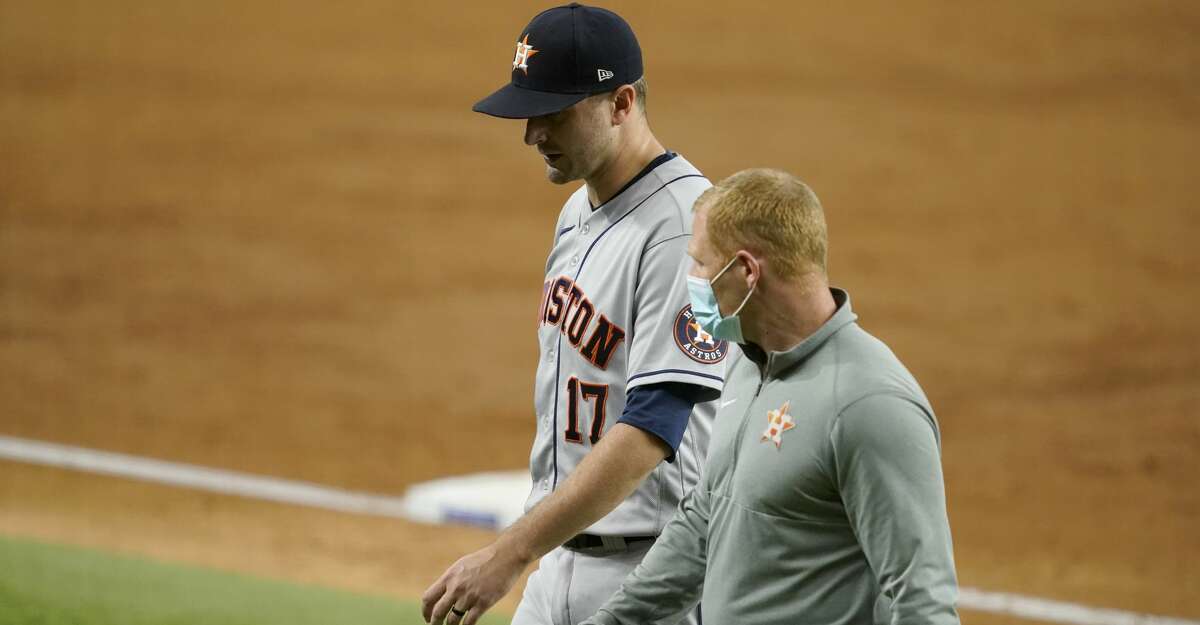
{"x": 695, "y": 342}
{"x": 524, "y": 51}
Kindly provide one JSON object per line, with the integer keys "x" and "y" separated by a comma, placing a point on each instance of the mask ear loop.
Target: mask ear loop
{"x": 744, "y": 300}
{"x": 722, "y": 271}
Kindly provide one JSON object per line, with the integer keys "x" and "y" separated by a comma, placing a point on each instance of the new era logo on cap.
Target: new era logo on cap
{"x": 580, "y": 51}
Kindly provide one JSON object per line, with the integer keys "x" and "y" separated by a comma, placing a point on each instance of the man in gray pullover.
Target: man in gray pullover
{"x": 822, "y": 500}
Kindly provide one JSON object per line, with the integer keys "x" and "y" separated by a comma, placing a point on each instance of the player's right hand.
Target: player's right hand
{"x": 473, "y": 585}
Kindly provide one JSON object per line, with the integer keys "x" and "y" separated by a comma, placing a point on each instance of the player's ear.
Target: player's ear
{"x": 753, "y": 269}
{"x": 624, "y": 103}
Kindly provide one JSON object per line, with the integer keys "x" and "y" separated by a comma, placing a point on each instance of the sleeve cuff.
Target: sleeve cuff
{"x": 685, "y": 376}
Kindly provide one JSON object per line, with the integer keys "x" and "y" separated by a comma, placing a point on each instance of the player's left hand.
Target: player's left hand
{"x": 473, "y": 585}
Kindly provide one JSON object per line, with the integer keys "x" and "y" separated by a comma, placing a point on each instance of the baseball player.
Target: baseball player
{"x": 627, "y": 378}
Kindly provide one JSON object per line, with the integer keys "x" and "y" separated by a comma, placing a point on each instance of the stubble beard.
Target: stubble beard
{"x": 582, "y": 162}
{"x": 558, "y": 176}
{"x": 579, "y": 166}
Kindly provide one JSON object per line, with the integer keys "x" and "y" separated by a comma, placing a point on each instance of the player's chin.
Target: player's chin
{"x": 558, "y": 176}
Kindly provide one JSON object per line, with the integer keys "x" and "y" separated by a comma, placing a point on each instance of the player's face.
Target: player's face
{"x": 574, "y": 142}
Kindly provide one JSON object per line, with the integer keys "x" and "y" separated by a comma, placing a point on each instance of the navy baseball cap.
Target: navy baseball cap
{"x": 563, "y": 56}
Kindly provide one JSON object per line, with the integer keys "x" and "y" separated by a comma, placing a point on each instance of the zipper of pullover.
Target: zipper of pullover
{"x": 737, "y": 442}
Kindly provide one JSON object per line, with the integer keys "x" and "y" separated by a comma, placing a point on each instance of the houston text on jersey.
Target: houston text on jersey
{"x": 565, "y": 305}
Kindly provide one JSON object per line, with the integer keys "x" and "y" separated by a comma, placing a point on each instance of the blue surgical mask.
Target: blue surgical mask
{"x": 708, "y": 313}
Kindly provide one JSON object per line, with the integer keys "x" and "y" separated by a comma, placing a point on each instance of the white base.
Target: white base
{"x": 488, "y": 500}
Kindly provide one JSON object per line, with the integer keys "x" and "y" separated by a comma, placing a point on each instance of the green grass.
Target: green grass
{"x": 43, "y": 584}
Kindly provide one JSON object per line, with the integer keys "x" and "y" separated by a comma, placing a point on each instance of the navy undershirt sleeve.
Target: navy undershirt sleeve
{"x": 663, "y": 409}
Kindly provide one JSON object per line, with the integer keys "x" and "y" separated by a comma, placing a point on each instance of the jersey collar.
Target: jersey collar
{"x": 658, "y": 160}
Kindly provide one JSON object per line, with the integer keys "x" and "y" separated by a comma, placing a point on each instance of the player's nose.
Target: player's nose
{"x": 535, "y": 131}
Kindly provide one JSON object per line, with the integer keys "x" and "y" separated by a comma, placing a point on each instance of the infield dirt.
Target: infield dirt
{"x": 276, "y": 240}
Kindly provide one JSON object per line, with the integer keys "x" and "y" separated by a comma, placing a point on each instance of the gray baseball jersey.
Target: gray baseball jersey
{"x": 614, "y": 315}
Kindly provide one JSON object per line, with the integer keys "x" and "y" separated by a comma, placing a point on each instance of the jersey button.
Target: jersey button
{"x": 585, "y": 229}
{"x": 574, "y": 260}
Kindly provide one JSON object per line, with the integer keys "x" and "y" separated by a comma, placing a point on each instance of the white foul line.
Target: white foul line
{"x": 317, "y": 496}
{"x": 1052, "y": 611}
{"x": 200, "y": 478}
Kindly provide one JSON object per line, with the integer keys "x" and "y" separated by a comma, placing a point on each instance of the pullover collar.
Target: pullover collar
{"x": 772, "y": 364}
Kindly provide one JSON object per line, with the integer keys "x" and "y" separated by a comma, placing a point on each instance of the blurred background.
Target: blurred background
{"x": 273, "y": 238}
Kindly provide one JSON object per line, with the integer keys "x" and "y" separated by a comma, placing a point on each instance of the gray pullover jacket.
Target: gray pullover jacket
{"x": 822, "y": 500}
